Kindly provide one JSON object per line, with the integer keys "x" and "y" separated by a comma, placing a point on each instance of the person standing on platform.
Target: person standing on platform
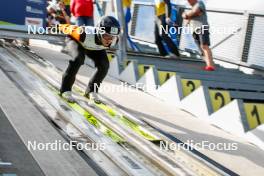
{"x": 82, "y": 10}
{"x": 197, "y": 19}
{"x": 162, "y": 19}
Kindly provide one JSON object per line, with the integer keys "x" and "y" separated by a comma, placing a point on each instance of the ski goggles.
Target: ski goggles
{"x": 109, "y": 37}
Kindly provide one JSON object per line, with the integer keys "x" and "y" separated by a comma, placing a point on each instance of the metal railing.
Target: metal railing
{"x": 240, "y": 42}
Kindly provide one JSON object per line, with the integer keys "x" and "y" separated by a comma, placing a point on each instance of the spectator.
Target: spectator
{"x": 63, "y": 16}
{"x": 51, "y": 14}
{"x": 67, "y": 6}
{"x": 163, "y": 13}
{"x": 197, "y": 18}
{"x": 82, "y": 10}
{"x": 57, "y": 14}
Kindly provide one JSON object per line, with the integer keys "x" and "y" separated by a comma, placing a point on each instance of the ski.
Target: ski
{"x": 112, "y": 111}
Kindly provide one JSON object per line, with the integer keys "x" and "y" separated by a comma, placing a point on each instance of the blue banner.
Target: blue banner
{"x": 23, "y": 12}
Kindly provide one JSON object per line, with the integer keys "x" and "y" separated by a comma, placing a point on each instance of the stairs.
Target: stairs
{"x": 227, "y": 98}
